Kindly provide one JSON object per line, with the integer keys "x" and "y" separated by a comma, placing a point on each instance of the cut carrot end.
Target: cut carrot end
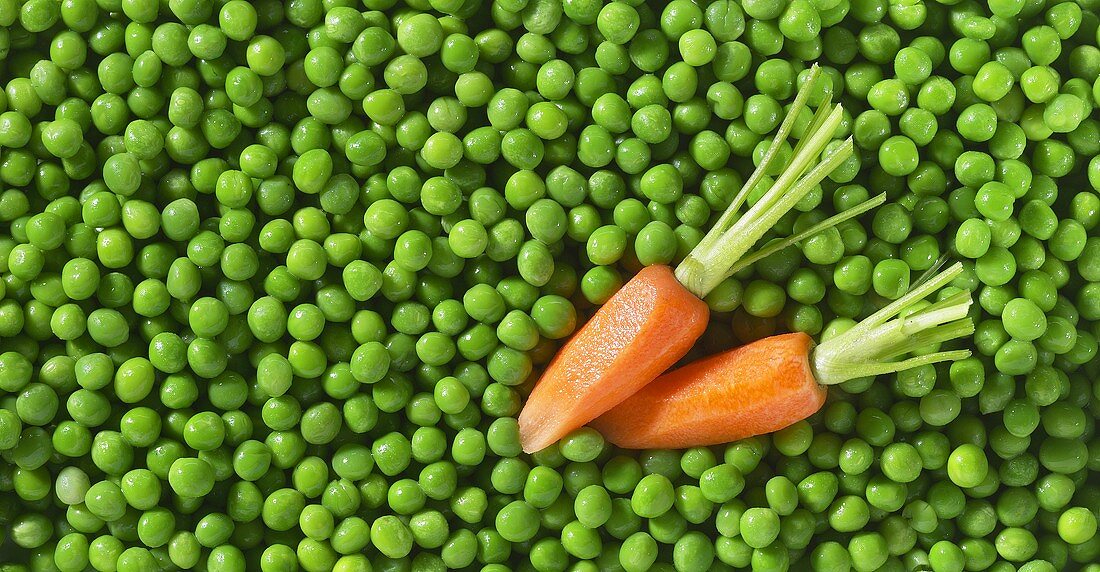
{"x": 871, "y": 346}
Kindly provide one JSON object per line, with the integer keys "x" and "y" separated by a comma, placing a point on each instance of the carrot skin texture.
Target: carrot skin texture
{"x": 645, "y": 328}
{"x": 758, "y": 388}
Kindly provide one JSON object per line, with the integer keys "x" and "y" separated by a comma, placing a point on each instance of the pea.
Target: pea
{"x": 517, "y": 521}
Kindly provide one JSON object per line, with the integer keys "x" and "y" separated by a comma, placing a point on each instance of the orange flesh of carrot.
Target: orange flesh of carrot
{"x": 639, "y": 333}
{"x": 758, "y": 388}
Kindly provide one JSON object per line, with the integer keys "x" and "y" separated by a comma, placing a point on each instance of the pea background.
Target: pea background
{"x": 276, "y": 277}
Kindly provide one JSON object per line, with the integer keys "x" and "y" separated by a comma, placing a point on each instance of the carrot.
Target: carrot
{"x": 750, "y": 390}
{"x": 638, "y": 334}
{"x": 656, "y": 317}
{"x": 775, "y": 382}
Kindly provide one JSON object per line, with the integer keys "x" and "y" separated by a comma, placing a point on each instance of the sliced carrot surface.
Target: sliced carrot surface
{"x": 751, "y": 390}
{"x": 649, "y": 324}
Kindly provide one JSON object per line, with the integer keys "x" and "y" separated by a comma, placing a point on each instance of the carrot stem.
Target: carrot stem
{"x": 870, "y": 346}
{"x": 727, "y": 218}
{"x": 713, "y": 259}
{"x": 826, "y": 224}
{"x": 816, "y": 122}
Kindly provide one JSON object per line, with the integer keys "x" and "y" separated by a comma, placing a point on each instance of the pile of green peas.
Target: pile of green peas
{"x": 275, "y": 278}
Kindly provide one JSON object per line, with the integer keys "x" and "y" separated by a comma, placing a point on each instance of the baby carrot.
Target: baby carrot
{"x": 656, "y": 317}
{"x": 775, "y": 382}
{"x": 638, "y": 334}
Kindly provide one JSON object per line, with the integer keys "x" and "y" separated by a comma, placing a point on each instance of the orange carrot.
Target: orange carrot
{"x": 638, "y": 334}
{"x": 754, "y": 389}
{"x": 656, "y": 317}
{"x": 775, "y": 382}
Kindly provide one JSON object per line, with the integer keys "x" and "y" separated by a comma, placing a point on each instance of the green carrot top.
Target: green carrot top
{"x": 722, "y": 251}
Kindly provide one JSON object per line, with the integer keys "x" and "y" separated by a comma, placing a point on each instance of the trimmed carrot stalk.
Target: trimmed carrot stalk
{"x": 775, "y": 382}
{"x": 639, "y": 333}
{"x": 656, "y": 317}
